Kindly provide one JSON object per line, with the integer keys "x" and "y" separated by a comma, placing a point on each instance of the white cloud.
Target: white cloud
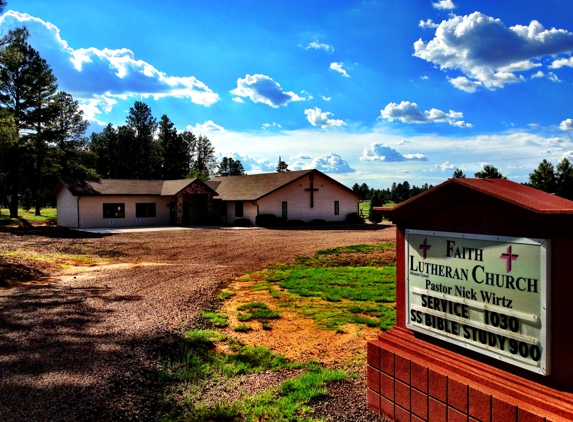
{"x": 403, "y": 142}
{"x": 444, "y": 5}
{"x": 238, "y": 100}
{"x": 208, "y": 126}
{"x": 319, "y": 46}
{"x": 404, "y": 171}
{"x": 96, "y": 77}
{"x": 317, "y": 117}
{"x": 533, "y": 124}
{"x": 553, "y": 77}
{"x": 446, "y": 166}
{"x": 408, "y": 112}
{"x": 428, "y": 24}
{"x": 382, "y": 152}
{"x": 539, "y": 74}
{"x": 337, "y": 66}
{"x": 463, "y": 83}
{"x": 559, "y": 63}
{"x": 326, "y": 98}
{"x": 488, "y": 52}
{"x": 301, "y": 156}
{"x": 271, "y": 125}
{"x": 332, "y": 163}
{"x": 263, "y": 89}
{"x": 424, "y": 77}
{"x": 566, "y": 125}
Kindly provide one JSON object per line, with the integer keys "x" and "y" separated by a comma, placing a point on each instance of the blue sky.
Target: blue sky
{"x": 366, "y": 91}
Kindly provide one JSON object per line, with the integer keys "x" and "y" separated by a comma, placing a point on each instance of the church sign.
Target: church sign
{"x": 485, "y": 293}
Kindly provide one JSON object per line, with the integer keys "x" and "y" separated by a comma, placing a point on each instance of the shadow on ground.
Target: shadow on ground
{"x": 55, "y": 359}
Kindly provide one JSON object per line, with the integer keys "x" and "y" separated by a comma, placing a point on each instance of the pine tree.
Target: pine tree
{"x": 564, "y": 178}
{"x": 146, "y": 152}
{"x": 175, "y": 150}
{"x": 491, "y": 172}
{"x": 26, "y": 87}
{"x": 204, "y": 163}
{"x": 543, "y": 178}
{"x": 230, "y": 167}
{"x": 458, "y": 174}
{"x": 282, "y": 166}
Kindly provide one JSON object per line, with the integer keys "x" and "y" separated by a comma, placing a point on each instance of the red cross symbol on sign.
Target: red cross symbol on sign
{"x": 425, "y": 247}
{"x": 508, "y": 256}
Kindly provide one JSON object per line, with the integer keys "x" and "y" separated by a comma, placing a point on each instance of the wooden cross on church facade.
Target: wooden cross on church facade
{"x": 312, "y": 189}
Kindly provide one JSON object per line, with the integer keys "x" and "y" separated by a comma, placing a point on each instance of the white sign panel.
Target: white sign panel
{"x": 486, "y": 293}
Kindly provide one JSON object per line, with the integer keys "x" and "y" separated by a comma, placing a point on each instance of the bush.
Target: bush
{"x": 242, "y": 222}
{"x": 317, "y": 222}
{"x": 268, "y": 220}
{"x": 295, "y": 223}
{"x": 354, "y": 218}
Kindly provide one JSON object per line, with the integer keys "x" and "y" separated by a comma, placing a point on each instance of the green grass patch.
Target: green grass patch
{"x": 48, "y": 214}
{"x": 226, "y": 294}
{"x": 243, "y": 328}
{"x": 192, "y": 361}
{"x": 256, "y": 310}
{"x": 329, "y": 288}
{"x": 216, "y": 318}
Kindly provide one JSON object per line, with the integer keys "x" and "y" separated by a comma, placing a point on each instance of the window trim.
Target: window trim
{"x": 336, "y": 207}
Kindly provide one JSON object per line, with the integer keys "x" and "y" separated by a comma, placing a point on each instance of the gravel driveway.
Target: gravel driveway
{"x": 86, "y": 348}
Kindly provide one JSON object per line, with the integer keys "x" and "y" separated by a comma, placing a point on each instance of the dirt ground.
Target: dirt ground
{"x": 82, "y": 343}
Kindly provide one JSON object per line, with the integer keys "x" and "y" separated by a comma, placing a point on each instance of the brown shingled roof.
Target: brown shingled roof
{"x": 253, "y": 187}
{"x": 127, "y": 187}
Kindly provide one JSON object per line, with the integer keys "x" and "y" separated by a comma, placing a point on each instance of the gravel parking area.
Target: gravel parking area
{"x": 85, "y": 346}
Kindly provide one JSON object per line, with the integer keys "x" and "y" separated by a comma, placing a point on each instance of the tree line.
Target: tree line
{"x": 43, "y": 136}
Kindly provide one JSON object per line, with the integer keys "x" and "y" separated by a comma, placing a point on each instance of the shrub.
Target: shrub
{"x": 317, "y": 222}
{"x": 295, "y": 223}
{"x": 242, "y": 222}
{"x": 354, "y": 218}
{"x": 268, "y": 220}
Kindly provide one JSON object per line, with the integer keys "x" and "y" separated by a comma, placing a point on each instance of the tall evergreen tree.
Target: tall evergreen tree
{"x": 175, "y": 148}
{"x": 26, "y": 86}
{"x": 146, "y": 152}
{"x": 564, "y": 178}
{"x": 491, "y": 172}
{"x": 543, "y": 178}
{"x": 458, "y": 174}
{"x": 230, "y": 167}
{"x": 204, "y": 162}
{"x": 104, "y": 146}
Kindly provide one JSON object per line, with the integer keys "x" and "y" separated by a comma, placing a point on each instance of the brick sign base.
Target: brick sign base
{"x": 410, "y": 379}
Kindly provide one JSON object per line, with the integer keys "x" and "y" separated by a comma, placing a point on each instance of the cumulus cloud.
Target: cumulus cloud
{"x": 463, "y": 83}
{"x": 96, "y": 77}
{"x": 403, "y": 142}
{"x": 559, "y": 63}
{"x": 382, "y": 152}
{"x": 263, "y": 89}
{"x": 566, "y": 125}
{"x": 301, "y": 156}
{"x": 326, "y": 98}
{"x": 428, "y": 24}
{"x": 539, "y": 74}
{"x": 337, "y": 66}
{"x": 319, "y": 46}
{"x": 488, "y": 52}
{"x": 238, "y": 100}
{"x": 208, "y": 126}
{"x": 408, "y": 112}
{"x": 444, "y": 5}
{"x": 317, "y": 117}
{"x": 332, "y": 163}
{"x": 553, "y": 77}
{"x": 271, "y": 125}
{"x": 446, "y": 166}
